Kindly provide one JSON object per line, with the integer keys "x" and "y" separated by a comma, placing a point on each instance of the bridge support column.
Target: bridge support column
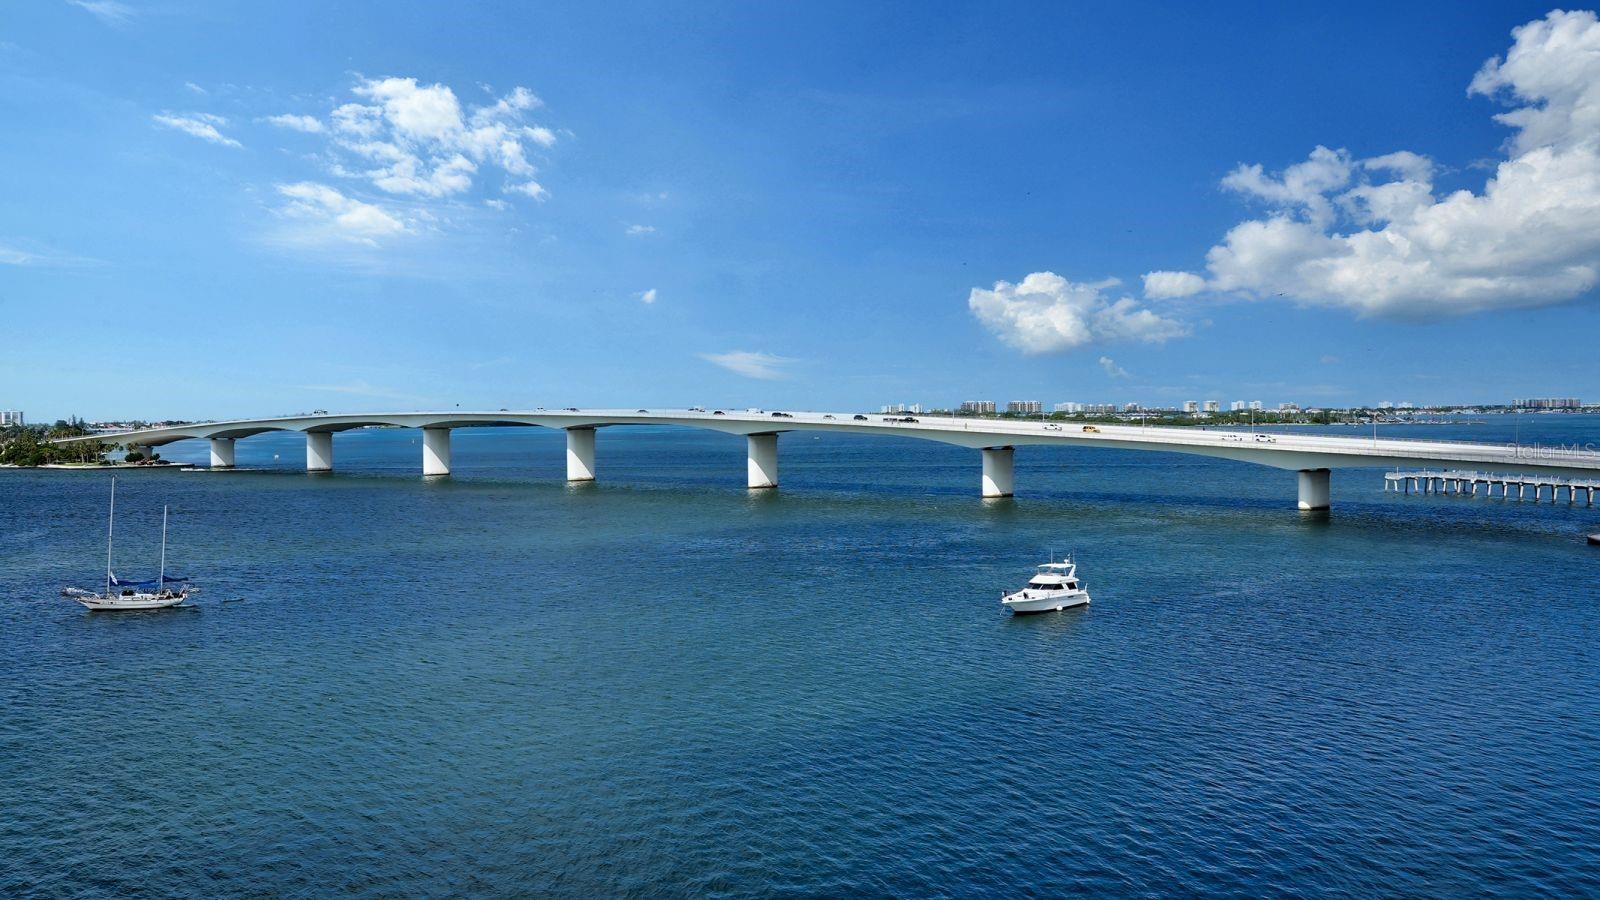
{"x": 580, "y": 454}
{"x": 999, "y": 471}
{"x": 222, "y": 453}
{"x": 1314, "y": 492}
{"x": 761, "y": 451}
{"x": 436, "y": 451}
{"x": 319, "y": 451}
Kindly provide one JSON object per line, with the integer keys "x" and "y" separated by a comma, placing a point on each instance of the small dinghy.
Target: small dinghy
{"x": 159, "y": 593}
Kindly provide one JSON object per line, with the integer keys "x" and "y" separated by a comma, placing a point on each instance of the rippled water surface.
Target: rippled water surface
{"x": 497, "y": 683}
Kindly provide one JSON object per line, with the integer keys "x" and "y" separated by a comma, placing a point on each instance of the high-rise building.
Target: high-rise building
{"x": 1025, "y": 407}
{"x": 1236, "y": 406}
{"x": 10, "y": 417}
{"x": 1288, "y": 407}
{"x": 1213, "y": 406}
{"x": 913, "y": 408}
{"x": 1191, "y": 406}
{"x": 977, "y": 407}
{"x": 1549, "y": 403}
{"x": 1099, "y": 409}
{"x": 1131, "y": 407}
{"x": 1255, "y": 405}
{"x": 1069, "y": 407}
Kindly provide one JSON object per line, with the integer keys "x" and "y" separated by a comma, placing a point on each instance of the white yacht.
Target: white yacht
{"x": 1054, "y": 587}
{"x": 120, "y": 594}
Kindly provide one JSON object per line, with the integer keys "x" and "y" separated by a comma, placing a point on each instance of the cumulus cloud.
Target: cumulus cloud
{"x": 1111, "y": 367}
{"x": 646, "y": 296}
{"x": 529, "y": 189}
{"x": 751, "y": 364}
{"x": 307, "y": 124}
{"x": 200, "y": 125}
{"x": 328, "y": 213}
{"x": 1372, "y": 234}
{"x": 419, "y": 140}
{"x": 637, "y": 230}
{"x": 1045, "y": 313}
{"x": 1167, "y": 285}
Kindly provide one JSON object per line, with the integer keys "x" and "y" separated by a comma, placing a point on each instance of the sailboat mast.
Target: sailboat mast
{"x": 161, "y": 580}
{"x": 111, "y": 521}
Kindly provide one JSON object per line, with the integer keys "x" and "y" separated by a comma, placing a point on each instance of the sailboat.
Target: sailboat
{"x": 120, "y": 594}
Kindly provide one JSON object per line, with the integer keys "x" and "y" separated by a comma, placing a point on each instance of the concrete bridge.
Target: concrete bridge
{"x": 1310, "y": 456}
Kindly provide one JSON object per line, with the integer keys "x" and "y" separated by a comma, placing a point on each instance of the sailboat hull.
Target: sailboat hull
{"x": 99, "y": 603}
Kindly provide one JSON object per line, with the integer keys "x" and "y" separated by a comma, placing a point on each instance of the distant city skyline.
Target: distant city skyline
{"x": 335, "y": 207}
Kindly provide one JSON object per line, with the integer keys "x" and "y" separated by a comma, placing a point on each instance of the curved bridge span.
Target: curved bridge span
{"x": 1311, "y": 456}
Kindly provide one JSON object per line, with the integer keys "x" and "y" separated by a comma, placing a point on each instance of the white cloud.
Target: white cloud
{"x": 637, "y": 230}
{"x": 327, "y": 213}
{"x": 1166, "y": 285}
{"x": 1111, "y": 367}
{"x": 195, "y": 88}
{"x": 108, "y": 11}
{"x": 419, "y": 140}
{"x": 1045, "y": 313}
{"x": 307, "y": 124}
{"x": 646, "y": 296}
{"x": 200, "y": 125}
{"x": 751, "y": 364}
{"x": 531, "y": 188}
{"x": 497, "y": 204}
{"x": 1371, "y": 235}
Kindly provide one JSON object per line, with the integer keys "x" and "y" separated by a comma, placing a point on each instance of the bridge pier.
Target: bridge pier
{"x": 436, "y": 451}
{"x": 1314, "y": 489}
{"x": 761, "y": 452}
{"x": 222, "y": 453}
{"x": 580, "y": 454}
{"x": 319, "y": 451}
{"x": 999, "y": 471}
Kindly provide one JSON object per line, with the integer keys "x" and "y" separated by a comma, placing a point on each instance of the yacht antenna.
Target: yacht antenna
{"x": 161, "y": 579}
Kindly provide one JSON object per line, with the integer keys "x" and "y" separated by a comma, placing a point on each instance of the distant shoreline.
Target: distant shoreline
{"x": 98, "y": 467}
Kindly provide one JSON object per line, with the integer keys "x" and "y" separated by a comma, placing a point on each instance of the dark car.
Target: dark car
{"x": 827, "y": 415}
{"x": 719, "y": 413}
{"x": 644, "y": 410}
{"x": 908, "y": 419}
{"x": 781, "y": 415}
{"x": 572, "y": 409}
{"x": 861, "y": 418}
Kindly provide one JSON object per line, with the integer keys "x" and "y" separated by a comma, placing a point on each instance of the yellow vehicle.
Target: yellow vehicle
{"x": 1090, "y": 429}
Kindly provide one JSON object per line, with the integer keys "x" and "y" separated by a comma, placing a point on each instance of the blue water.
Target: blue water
{"x": 663, "y": 683}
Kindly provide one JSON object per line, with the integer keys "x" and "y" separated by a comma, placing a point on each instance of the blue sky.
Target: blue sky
{"x": 217, "y": 209}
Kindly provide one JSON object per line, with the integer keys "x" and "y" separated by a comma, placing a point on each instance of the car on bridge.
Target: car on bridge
{"x": 861, "y": 418}
{"x": 1090, "y": 429}
{"x": 782, "y": 415}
